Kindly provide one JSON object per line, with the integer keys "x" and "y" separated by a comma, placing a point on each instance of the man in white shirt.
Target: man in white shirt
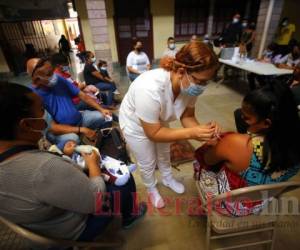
{"x": 171, "y": 50}
{"x": 137, "y": 61}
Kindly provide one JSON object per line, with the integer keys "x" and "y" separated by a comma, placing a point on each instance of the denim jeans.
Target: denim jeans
{"x": 90, "y": 119}
{"x": 93, "y": 120}
{"x": 132, "y": 76}
{"x": 110, "y": 87}
{"x": 96, "y": 224}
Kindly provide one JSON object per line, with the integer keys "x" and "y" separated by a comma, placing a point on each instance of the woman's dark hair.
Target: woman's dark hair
{"x": 87, "y": 54}
{"x": 135, "y": 41}
{"x": 275, "y": 101}
{"x": 15, "y": 104}
{"x": 101, "y": 63}
{"x": 59, "y": 59}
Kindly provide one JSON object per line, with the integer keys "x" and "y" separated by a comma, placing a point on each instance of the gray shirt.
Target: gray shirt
{"x": 47, "y": 194}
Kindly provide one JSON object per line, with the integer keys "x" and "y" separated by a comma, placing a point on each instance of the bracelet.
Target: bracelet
{"x": 79, "y": 130}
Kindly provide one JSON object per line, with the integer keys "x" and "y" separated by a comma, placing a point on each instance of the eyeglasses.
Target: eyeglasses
{"x": 40, "y": 63}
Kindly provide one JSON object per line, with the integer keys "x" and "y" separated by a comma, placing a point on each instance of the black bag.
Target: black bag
{"x": 111, "y": 143}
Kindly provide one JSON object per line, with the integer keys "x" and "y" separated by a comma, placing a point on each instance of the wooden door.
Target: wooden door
{"x": 133, "y": 20}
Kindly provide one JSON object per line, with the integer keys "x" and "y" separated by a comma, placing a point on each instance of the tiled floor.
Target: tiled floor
{"x": 172, "y": 228}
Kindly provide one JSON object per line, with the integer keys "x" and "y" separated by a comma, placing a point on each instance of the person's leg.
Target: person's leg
{"x": 95, "y": 225}
{"x": 240, "y": 124}
{"x": 132, "y": 76}
{"x": 251, "y": 80}
{"x": 144, "y": 152}
{"x": 110, "y": 88}
{"x": 55, "y": 139}
{"x": 164, "y": 165}
{"x": 94, "y": 120}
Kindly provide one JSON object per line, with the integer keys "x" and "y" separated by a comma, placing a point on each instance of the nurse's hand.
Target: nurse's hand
{"x": 215, "y": 125}
{"x": 203, "y": 132}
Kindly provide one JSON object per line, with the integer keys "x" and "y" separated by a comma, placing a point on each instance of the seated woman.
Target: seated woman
{"x": 43, "y": 192}
{"x": 269, "y": 153}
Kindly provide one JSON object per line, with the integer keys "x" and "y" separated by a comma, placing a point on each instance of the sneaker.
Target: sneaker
{"x": 155, "y": 198}
{"x": 173, "y": 184}
{"x": 128, "y": 223}
{"x": 117, "y": 92}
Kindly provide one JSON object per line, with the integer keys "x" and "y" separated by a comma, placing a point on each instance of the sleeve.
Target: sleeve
{"x": 192, "y": 102}
{"x": 60, "y": 184}
{"x": 147, "y": 106}
{"x": 73, "y": 90}
{"x": 283, "y": 59}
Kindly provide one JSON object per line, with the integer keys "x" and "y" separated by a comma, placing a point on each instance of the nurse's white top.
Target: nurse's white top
{"x": 150, "y": 98}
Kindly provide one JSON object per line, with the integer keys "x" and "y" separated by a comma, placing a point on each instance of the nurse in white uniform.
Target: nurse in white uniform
{"x": 158, "y": 97}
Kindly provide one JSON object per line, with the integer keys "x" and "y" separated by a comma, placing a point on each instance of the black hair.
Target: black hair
{"x": 59, "y": 59}
{"x": 135, "y": 41}
{"x": 87, "y": 54}
{"x": 101, "y": 62}
{"x": 170, "y": 38}
{"x": 275, "y": 102}
{"x": 15, "y": 104}
{"x": 283, "y": 20}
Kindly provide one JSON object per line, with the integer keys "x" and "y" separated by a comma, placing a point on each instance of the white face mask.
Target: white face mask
{"x": 104, "y": 68}
{"x": 172, "y": 46}
{"x": 52, "y": 81}
{"x": 93, "y": 59}
{"x": 235, "y": 20}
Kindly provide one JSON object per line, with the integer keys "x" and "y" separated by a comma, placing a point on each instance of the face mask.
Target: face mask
{"x": 104, "y": 68}
{"x": 52, "y": 81}
{"x": 235, "y": 20}
{"x": 65, "y": 68}
{"x": 93, "y": 59}
{"x": 138, "y": 49}
{"x": 284, "y": 24}
{"x": 193, "y": 89}
{"x": 244, "y": 25}
{"x": 172, "y": 46}
{"x": 45, "y": 120}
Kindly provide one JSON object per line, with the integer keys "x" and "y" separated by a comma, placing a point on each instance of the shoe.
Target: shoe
{"x": 155, "y": 198}
{"x": 173, "y": 184}
{"x": 117, "y": 92}
{"x": 128, "y": 223}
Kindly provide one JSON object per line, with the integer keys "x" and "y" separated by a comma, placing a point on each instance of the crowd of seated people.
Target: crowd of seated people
{"x": 42, "y": 191}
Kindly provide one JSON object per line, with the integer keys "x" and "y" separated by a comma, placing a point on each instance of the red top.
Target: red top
{"x": 67, "y": 75}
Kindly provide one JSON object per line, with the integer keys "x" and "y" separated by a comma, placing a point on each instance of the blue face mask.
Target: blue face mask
{"x": 193, "y": 89}
{"x": 52, "y": 81}
{"x": 47, "y": 121}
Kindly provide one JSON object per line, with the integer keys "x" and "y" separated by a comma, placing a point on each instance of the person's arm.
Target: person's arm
{"x": 60, "y": 184}
{"x": 92, "y": 103}
{"x": 148, "y": 62}
{"x": 285, "y": 66}
{"x": 60, "y": 129}
{"x": 236, "y": 149}
{"x": 98, "y": 75}
{"x": 188, "y": 119}
{"x": 157, "y": 133}
{"x": 132, "y": 70}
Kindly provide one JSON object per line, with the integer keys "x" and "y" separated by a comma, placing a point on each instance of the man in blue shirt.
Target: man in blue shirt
{"x": 57, "y": 93}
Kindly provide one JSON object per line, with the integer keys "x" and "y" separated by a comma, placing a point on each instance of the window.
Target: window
{"x": 190, "y": 18}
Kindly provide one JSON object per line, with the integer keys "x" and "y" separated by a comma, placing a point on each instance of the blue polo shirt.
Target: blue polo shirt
{"x": 57, "y": 101}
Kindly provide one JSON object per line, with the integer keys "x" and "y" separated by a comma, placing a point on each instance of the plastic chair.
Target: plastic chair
{"x": 43, "y": 241}
{"x": 264, "y": 221}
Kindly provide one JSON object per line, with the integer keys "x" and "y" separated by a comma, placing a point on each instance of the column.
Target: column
{"x": 210, "y": 19}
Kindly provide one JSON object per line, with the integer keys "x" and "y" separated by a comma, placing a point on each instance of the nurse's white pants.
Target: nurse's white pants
{"x": 148, "y": 155}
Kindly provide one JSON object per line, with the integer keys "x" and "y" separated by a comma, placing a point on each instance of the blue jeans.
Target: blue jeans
{"x": 110, "y": 87}
{"x": 132, "y": 76}
{"x": 93, "y": 120}
{"x": 90, "y": 119}
{"x": 96, "y": 224}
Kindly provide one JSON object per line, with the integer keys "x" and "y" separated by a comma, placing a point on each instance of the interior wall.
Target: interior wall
{"x": 111, "y": 29}
{"x": 163, "y": 24}
{"x": 86, "y": 29}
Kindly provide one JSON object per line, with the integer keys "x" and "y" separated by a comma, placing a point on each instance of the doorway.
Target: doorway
{"x": 133, "y": 20}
